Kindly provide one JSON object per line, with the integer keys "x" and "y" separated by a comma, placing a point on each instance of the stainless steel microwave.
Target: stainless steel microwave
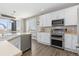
{"x": 59, "y": 22}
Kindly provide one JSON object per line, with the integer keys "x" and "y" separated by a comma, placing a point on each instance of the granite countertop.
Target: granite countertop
{"x": 71, "y": 33}
{"x": 9, "y": 36}
{"x": 7, "y": 49}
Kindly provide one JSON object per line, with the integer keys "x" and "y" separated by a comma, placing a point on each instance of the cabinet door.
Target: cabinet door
{"x": 45, "y": 20}
{"x": 68, "y": 41}
{"x": 58, "y": 15}
{"x": 74, "y": 42}
{"x": 41, "y": 20}
{"x": 44, "y": 38}
{"x": 48, "y": 20}
{"x": 71, "y": 42}
{"x": 71, "y": 16}
{"x": 38, "y": 37}
{"x": 61, "y": 14}
{"x": 33, "y": 34}
{"x": 25, "y": 42}
{"x": 54, "y": 16}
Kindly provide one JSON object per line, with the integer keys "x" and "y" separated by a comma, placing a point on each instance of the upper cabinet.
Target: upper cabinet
{"x": 61, "y": 14}
{"x": 48, "y": 20}
{"x": 45, "y": 20}
{"x": 71, "y": 16}
{"x": 58, "y": 15}
{"x": 41, "y": 20}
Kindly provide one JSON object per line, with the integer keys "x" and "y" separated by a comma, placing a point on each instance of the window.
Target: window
{"x": 5, "y": 24}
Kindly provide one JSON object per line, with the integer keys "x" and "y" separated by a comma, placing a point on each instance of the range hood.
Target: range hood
{"x": 5, "y": 16}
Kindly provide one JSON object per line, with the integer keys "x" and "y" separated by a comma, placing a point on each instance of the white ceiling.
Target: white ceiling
{"x": 24, "y": 10}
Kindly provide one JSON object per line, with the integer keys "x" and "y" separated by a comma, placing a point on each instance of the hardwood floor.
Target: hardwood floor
{"x": 44, "y": 50}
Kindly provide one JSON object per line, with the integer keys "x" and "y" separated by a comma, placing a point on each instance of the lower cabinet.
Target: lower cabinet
{"x": 43, "y": 38}
{"x": 70, "y": 42}
{"x": 39, "y": 37}
{"x": 75, "y": 42}
{"x": 25, "y": 42}
{"x": 22, "y": 42}
{"x": 33, "y": 34}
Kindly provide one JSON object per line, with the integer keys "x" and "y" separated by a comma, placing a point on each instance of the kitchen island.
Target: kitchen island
{"x": 21, "y": 41}
{"x": 7, "y": 49}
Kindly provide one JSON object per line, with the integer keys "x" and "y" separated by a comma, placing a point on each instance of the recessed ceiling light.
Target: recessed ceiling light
{"x": 42, "y": 9}
{"x": 14, "y": 11}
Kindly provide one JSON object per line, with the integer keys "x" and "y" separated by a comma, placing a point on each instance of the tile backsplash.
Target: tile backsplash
{"x": 45, "y": 29}
{"x": 68, "y": 29}
{"x": 71, "y": 29}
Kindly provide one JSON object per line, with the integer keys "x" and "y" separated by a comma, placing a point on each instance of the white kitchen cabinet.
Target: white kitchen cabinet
{"x": 48, "y": 20}
{"x": 34, "y": 34}
{"x": 61, "y": 14}
{"x": 45, "y": 20}
{"x": 43, "y": 38}
{"x": 74, "y": 42}
{"x": 71, "y": 16}
{"x": 70, "y": 42}
{"x": 53, "y": 16}
{"x": 39, "y": 37}
{"x": 41, "y": 20}
{"x": 58, "y": 15}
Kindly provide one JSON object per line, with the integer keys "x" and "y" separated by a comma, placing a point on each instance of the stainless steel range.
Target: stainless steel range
{"x": 57, "y": 33}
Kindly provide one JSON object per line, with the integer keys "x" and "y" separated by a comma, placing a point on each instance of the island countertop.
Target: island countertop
{"x": 9, "y": 36}
{"x": 7, "y": 49}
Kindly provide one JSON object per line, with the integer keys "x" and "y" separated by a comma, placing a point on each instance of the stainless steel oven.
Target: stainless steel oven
{"x": 57, "y": 33}
{"x": 59, "y": 22}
